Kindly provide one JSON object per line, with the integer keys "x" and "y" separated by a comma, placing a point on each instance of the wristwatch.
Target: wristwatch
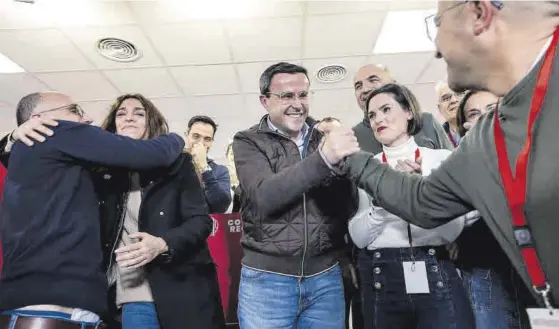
{"x": 167, "y": 256}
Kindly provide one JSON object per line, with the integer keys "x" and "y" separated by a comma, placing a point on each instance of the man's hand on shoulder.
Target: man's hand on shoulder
{"x": 338, "y": 144}
{"x": 34, "y": 130}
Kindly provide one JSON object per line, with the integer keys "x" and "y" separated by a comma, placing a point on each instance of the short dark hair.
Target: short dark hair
{"x": 204, "y": 119}
{"x": 25, "y": 107}
{"x": 406, "y": 99}
{"x": 156, "y": 124}
{"x": 461, "y": 113}
{"x": 281, "y": 67}
{"x": 329, "y": 119}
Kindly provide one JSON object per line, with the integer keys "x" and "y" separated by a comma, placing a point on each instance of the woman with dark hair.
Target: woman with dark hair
{"x": 407, "y": 277}
{"x": 494, "y": 287}
{"x": 155, "y": 225}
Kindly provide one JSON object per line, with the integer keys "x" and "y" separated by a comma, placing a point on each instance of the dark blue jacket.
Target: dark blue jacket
{"x": 217, "y": 188}
{"x": 49, "y": 215}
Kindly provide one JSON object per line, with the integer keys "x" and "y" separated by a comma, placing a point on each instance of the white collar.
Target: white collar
{"x": 405, "y": 150}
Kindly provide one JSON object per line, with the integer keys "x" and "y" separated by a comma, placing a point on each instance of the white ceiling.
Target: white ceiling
{"x": 200, "y": 66}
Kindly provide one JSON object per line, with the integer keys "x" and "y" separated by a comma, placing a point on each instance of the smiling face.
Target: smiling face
{"x": 477, "y": 105}
{"x": 368, "y": 79}
{"x": 389, "y": 120}
{"x": 448, "y": 103}
{"x": 287, "y": 102}
{"x": 131, "y": 119}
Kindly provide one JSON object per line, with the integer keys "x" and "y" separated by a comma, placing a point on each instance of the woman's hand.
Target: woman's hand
{"x": 140, "y": 253}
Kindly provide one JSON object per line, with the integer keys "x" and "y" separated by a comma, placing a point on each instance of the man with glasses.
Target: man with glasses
{"x": 49, "y": 219}
{"x": 506, "y": 167}
{"x": 214, "y": 177}
{"x": 448, "y": 104}
{"x": 295, "y": 211}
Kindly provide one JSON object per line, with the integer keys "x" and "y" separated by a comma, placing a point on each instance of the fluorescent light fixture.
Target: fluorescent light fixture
{"x": 9, "y": 66}
{"x": 404, "y": 32}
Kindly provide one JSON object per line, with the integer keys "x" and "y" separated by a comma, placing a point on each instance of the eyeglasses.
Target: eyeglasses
{"x": 289, "y": 97}
{"x": 432, "y": 22}
{"x": 72, "y": 108}
{"x": 447, "y": 97}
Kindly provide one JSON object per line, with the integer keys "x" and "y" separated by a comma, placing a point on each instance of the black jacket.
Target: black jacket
{"x": 184, "y": 284}
{"x": 432, "y": 135}
{"x": 295, "y": 211}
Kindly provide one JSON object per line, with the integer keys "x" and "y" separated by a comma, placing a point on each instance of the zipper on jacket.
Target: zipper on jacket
{"x": 119, "y": 232}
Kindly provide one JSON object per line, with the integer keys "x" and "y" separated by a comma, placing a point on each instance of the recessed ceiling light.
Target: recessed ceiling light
{"x": 404, "y": 32}
{"x": 9, "y": 66}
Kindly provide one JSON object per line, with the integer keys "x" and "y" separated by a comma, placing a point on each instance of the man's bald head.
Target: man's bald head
{"x": 54, "y": 105}
{"x": 368, "y": 78}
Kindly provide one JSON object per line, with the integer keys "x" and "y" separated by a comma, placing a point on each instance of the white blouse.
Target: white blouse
{"x": 374, "y": 228}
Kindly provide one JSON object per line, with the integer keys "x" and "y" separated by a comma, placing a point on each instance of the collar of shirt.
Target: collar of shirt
{"x": 300, "y": 141}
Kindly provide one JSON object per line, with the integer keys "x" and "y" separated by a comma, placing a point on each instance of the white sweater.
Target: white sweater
{"x": 375, "y": 228}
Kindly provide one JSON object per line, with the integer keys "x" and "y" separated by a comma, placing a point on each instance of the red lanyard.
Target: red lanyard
{"x": 515, "y": 187}
{"x": 417, "y": 155}
{"x": 452, "y": 139}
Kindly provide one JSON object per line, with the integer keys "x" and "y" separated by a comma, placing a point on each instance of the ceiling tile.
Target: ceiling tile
{"x": 97, "y": 110}
{"x": 427, "y": 97}
{"x": 253, "y": 110}
{"x": 219, "y": 107}
{"x": 412, "y": 4}
{"x": 327, "y": 102}
{"x": 352, "y": 64}
{"x": 153, "y": 12}
{"x": 337, "y": 7}
{"x": 151, "y": 82}
{"x": 86, "y": 40}
{"x": 17, "y": 15}
{"x": 42, "y": 50}
{"x": 82, "y": 86}
{"x": 341, "y": 35}
{"x": 176, "y": 110}
{"x": 265, "y": 39}
{"x": 250, "y": 73}
{"x": 197, "y": 42}
{"x": 405, "y": 68}
{"x": 15, "y": 86}
{"x": 435, "y": 71}
{"x": 205, "y": 80}
{"x": 88, "y": 13}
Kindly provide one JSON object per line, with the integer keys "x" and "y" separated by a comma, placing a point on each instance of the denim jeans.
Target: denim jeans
{"x": 139, "y": 316}
{"x": 44, "y": 314}
{"x": 494, "y": 295}
{"x": 274, "y": 301}
{"x": 387, "y": 305}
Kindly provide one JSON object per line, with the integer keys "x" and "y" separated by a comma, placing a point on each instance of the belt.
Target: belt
{"x": 35, "y": 322}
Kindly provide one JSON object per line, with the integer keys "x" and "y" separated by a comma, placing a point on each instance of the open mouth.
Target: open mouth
{"x": 295, "y": 115}
{"x": 381, "y": 128}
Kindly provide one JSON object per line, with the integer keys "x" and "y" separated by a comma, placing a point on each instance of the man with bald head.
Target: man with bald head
{"x": 52, "y": 274}
{"x": 506, "y": 167}
{"x": 374, "y": 76}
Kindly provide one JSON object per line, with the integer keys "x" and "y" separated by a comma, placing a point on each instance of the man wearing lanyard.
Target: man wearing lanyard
{"x": 506, "y": 167}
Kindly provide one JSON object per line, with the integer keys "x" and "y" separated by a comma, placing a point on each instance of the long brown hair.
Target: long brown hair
{"x": 156, "y": 125}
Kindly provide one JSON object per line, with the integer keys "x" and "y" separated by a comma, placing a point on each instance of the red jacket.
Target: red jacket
{"x": 2, "y": 177}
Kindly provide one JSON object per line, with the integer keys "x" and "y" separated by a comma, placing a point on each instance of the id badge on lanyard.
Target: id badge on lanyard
{"x": 415, "y": 273}
{"x": 515, "y": 190}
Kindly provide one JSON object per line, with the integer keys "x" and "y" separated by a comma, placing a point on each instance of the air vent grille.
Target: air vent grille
{"x": 118, "y": 50}
{"x": 331, "y": 73}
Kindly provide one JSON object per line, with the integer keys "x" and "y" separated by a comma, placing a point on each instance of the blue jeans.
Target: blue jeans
{"x": 139, "y": 316}
{"x": 273, "y": 301}
{"x": 44, "y": 314}
{"x": 387, "y": 305}
{"x": 495, "y": 298}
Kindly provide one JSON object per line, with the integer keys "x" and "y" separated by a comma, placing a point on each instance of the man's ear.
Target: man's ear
{"x": 264, "y": 101}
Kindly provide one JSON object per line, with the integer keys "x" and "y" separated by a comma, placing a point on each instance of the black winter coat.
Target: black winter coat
{"x": 184, "y": 284}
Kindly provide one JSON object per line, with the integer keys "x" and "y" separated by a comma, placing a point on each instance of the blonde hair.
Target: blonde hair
{"x": 230, "y": 165}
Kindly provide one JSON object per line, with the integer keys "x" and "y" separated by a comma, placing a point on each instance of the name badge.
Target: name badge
{"x": 415, "y": 276}
{"x": 543, "y": 318}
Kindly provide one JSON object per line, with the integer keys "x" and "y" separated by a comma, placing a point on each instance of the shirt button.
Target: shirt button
{"x": 435, "y": 268}
{"x": 432, "y": 252}
{"x": 440, "y": 284}
{"x": 378, "y": 285}
{"x": 161, "y": 213}
{"x": 377, "y": 254}
{"x": 106, "y": 176}
{"x": 377, "y": 270}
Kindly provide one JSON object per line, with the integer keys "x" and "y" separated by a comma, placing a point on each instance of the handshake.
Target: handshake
{"x": 338, "y": 144}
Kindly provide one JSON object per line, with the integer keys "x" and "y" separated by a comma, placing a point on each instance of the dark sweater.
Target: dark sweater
{"x": 217, "y": 188}
{"x": 49, "y": 217}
